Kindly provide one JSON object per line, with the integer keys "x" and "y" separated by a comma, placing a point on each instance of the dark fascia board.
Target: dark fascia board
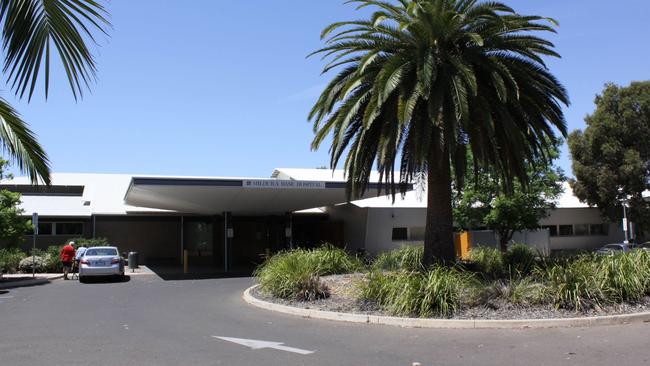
{"x": 54, "y": 190}
{"x": 382, "y": 186}
{"x": 210, "y": 182}
{"x": 187, "y": 182}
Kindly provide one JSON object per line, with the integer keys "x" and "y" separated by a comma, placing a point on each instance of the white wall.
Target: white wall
{"x": 354, "y": 224}
{"x": 381, "y": 221}
{"x": 538, "y": 239}
{"x": 372, "y": 228}
{"x": 572, "y": 216}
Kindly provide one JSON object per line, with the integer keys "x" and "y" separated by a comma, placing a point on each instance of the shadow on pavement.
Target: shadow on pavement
{"x": 175, "y": 273}
{"x": 106, "y": 279}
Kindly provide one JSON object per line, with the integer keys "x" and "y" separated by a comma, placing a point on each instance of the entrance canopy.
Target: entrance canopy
{"x": 211, "y": 196}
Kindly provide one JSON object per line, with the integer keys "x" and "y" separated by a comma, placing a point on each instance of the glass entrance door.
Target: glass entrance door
{"x": 199, "y": 242}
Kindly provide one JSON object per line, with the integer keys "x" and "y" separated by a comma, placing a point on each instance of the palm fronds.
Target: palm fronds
{"x": 32, "y": 27}
{"x": 20, "y": 143}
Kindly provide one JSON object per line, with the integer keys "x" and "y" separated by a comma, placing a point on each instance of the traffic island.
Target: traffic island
{"x": 250, "y": 296}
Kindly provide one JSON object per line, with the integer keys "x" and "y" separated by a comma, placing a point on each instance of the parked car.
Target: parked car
{"x": 644, "y": 246}
{"x": 611, "y": 249}
{"x": 101, "y": 261}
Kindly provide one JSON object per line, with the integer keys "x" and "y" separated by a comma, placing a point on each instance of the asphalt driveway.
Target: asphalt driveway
{"x": 148, "y": 321}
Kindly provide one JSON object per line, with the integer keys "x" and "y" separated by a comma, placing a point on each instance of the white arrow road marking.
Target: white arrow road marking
{"x": 255, "y": 344}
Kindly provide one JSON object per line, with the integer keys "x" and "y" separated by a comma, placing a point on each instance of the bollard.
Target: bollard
{"x": 185, "y": 264}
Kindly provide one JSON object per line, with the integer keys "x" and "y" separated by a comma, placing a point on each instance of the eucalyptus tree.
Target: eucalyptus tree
{"x": 31, "y": 31}
{"x": 421, "y": 83}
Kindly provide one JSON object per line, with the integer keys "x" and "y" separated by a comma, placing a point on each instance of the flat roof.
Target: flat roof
{"x": 212, "y": 196}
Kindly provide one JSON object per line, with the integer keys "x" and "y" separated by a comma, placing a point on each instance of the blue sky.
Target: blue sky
{"x": 215, "y": 87}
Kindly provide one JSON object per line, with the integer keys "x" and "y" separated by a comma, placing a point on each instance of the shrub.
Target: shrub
{"x": 295, "y": 274}
{"x": 91, "y": 242}
{"x": 10, "y": 259}
{"x": 53, "y": 259}
{"x": 520, "y": 259}
{"x": 312, "y": 289}
{"x": 437, "y": 291}
{"x": 405, "y": 258}
{"x": 488, "y": 261}
{"x": 38, "y": 263}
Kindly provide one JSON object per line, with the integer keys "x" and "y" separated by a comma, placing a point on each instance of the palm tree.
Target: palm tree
{"x": 29, "y": 30}
{"x": 424, "y": 82}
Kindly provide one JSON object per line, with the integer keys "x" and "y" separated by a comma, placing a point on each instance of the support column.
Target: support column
{"x": 288, "y": 230}
{"x": 94, "y": 226}
{"x": 228, "y": 233}
{"x": 182, "y": 240}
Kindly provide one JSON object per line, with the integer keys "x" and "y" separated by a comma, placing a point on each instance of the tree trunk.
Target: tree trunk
{"x": 504, "y": 238}
{"x": 439, "y": 232}
{"x": 503, "y": 243}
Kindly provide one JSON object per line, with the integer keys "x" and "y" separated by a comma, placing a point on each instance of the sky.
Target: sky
{"x": 223, "y": 88}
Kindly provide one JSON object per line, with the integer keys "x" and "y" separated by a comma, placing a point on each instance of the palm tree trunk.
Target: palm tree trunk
{"x": 439, "y": 234}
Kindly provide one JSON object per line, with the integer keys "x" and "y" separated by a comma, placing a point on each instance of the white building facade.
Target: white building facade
{"x": 228, "y": 222}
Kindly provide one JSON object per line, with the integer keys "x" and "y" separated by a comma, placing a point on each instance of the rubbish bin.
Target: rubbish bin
{"x": 133, "y": 260}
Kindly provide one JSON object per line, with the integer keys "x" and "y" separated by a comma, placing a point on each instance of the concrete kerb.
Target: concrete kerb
{"x": 448, "y": 323}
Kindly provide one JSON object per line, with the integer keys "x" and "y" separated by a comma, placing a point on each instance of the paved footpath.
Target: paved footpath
{"x": 148, "y": 321}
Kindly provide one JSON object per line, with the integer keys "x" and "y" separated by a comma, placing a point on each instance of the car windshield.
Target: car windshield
{"x": 101, "y": 251}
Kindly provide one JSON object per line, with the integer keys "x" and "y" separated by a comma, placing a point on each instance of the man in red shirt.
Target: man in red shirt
{"x": 67, "y": 256}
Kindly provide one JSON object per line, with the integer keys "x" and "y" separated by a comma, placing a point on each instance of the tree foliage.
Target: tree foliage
{"x": 611, "y": 157}
{"x": 484, "y": 202}
{"x": 12, "y": 225}
{"x": 423, "y": 82}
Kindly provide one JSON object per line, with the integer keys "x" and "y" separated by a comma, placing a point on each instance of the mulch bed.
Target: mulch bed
{"x": 343, "y": 289}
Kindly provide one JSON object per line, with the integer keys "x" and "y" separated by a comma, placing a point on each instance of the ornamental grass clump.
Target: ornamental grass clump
{"x": 520, "y": 259}
{"x": 626, "y": 276}
{"x": 435, "y": 292}
{"x": 577, "y": 284}
{"x": 407, "y": 258}
{"x": 330, "y": 260}
{"x": 296, "y": 274}
{"x": 488, "y": 261}
{"x": 520, "y": 292}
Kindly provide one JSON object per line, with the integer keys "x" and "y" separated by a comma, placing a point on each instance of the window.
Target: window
{"x": 400, "y": 233}
{"x": 581, "y": 230}
{"x": 45, "y": 228}
{"x": 101, "y": 251}
{"x": 552, "y": 229}
{"x": 69, "y": 228}
{"x": 599, "y": 229}
{"x": 566, "y": 230}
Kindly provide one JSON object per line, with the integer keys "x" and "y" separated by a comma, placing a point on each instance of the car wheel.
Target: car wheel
{"x": 82, "y": 279}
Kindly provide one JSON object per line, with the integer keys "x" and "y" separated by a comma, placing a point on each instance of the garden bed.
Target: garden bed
{"x": 344, "y": 291}
{"x": 512, "y": 285}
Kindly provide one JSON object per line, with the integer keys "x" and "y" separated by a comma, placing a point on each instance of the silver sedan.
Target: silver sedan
{"x": 101, "y": 261}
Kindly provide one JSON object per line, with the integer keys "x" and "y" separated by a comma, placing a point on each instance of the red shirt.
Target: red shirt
{"x": 67, "y": 253}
